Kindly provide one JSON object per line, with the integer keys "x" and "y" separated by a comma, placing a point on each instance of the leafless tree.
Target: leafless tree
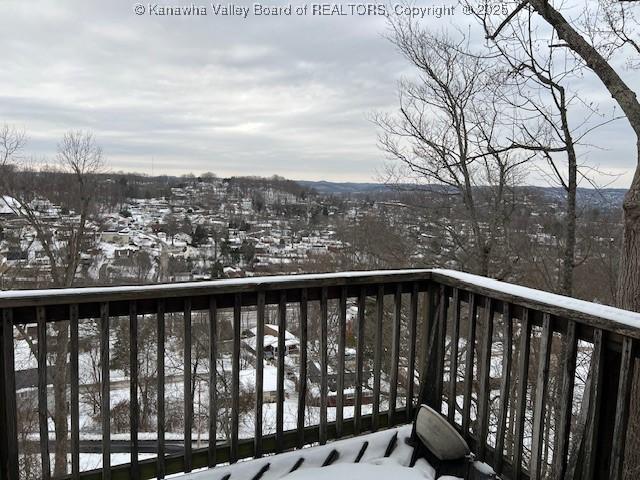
{"x": 142, "y": 265}
{"x": 12, "y": 143}
{"x": 600, "y": 31}
{"x": 448, "y": 135}
{"x": 609, "y": 29}
{"x": 171, "y": 226}
{"x": 537, "y": 87}
{"x": 27, "y": 421}
{"x": 614, "y": 27}
{"x": 78, "y": 161}
{"x": 373, "y": 242}
{"x": 92, "y": 373}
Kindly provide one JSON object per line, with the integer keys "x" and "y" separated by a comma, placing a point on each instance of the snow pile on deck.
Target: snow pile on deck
{"x": 357, "y": 472}
{"x": 348, "y": 452}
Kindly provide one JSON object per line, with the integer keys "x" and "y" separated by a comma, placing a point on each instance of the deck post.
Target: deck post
{"x": 435, "y": 319}
{"x": 8, "y": 406}
{"x": 606, "y": 414}
{"x": 594, "y": 455}
{"x": 3, "y": 415}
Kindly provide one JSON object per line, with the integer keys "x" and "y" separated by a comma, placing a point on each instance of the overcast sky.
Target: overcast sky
{"x": 255, "y": 96}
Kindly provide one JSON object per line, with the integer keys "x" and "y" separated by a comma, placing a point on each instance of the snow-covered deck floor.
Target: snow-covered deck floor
{"x": 371, "y": 449}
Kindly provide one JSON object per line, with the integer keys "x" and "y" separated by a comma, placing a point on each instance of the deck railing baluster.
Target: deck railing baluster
{"x": 542, "y": 382}
{"x": 521, "y": 396}
{"x": 75, "y": 390}
{"x": 302, "y": 374}
{"x": 566, "y": 398}
{"x": 453, "y": 369}
{"x": 42, "y": 393}
{"x": 105, "y": 410}
{"x": 484, "y": 369}
{"x": 359, "y": 361}
{"x": 323, "y": 365}
{"x": 213, "y": 388}
{"x": 282, "y": 330}
{"x": 134, "y": 414}
{"x": 160, "y": 468}
{"x": 395, "y": 353}
{"x": 441, "y": 337}
{"x": 468, "y": 365}
{"x": 413, "y": 328}
{"x": 505, "y": 382}
{"x": 188, "y": 397}
{"x": 259, "y": 373}
{"x": 235, "y": 379}
{"x": 377, "y": 358}
{"x": 430, "y": 316}
{"x": 595, "y": 399}
{"x": 342, "y": 325}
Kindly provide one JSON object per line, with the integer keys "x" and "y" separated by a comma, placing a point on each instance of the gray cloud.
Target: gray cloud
{"x": 258, "y": 96}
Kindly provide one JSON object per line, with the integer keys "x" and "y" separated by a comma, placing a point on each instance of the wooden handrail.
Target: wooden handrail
{"x": 58, "y": 296}
{"x": 596, "y": 315}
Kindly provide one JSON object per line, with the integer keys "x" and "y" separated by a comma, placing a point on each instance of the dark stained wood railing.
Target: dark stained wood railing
{"x": 520, "y": 343}
{"x": 520, "y": 373}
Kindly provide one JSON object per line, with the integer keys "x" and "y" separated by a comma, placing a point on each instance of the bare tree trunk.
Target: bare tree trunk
{"x": 629, "y": 276}
{"x": 568, "y": 261}
{"x": 485, "y": 254}
{"x": 629, "y": 298}
{"x": 568, "y": 258}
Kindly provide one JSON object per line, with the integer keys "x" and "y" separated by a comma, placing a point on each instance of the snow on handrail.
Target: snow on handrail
{"x": 603, "y": 316}
{"x": 607, "y": 316}
{"x": 275, "y": 282}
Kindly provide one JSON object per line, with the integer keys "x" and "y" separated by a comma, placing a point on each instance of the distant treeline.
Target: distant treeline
{"x": 275, "y": 182}
{"x": 115, "y": 188}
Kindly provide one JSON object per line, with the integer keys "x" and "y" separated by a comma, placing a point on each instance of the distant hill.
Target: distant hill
{"x": 612, "y": 197}
{"x": 588, "y": 196}
{"x": 337, "y": 188}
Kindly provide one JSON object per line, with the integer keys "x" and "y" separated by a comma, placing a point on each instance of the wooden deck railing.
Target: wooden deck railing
{"x": 522, "y": 374}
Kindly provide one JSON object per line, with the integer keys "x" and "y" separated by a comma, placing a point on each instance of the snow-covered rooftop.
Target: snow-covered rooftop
{"x": 8, "y": 205}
